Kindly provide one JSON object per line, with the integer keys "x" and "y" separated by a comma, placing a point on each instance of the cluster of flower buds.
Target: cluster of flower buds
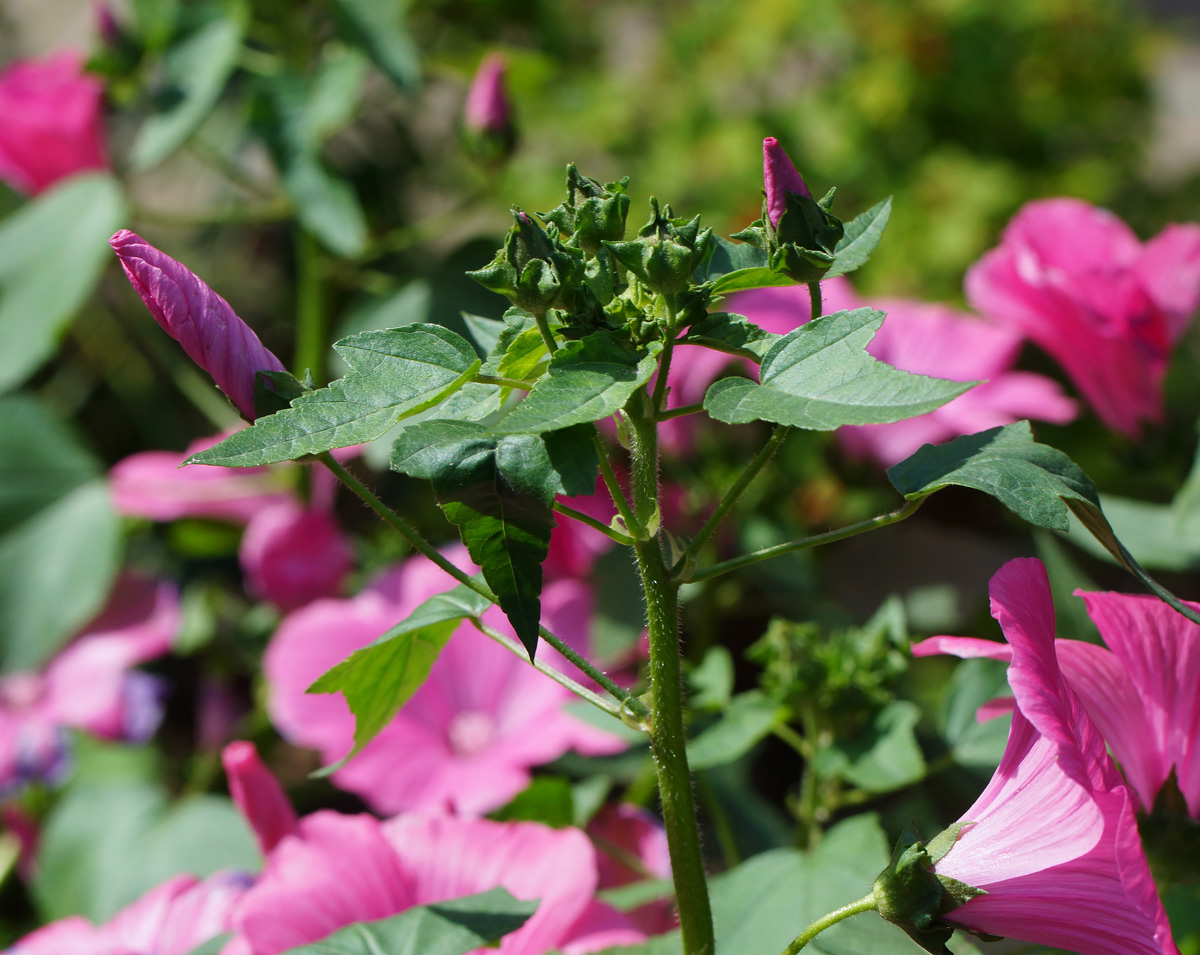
{"x": 666, "y": 252}
{"x": 798, "y": 234}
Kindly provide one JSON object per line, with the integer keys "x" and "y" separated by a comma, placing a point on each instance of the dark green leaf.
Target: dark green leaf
{"x": 379, "y": 679}
{"x": 862, "y": 235}
{"x": 975, "y": 744}
{"x": 379, "y": 26}
{"x": 573, "y": 458}
{"x": 587, "y": 380}
{"x": 744, "y": 279}
{"x": 820, "y": 377}
{"x": 485, "y": 331}
{"x": 881, "y": 757}
{"x": 335, "y": 93}
{"x": 197, "y": 68}
{"x": 52, "y": 253}
{"x": 749, "y": 718}
{"x": 729, "y": 256}
{"x": 712, "y": 680}
{"x": 213, "y": 946}
{"x": 731, "y": 333}
{"x": 395, "y": 373}
{"x": 1154, "y": 534}
{"x": 548, "y": 800}
{"x": 444, "y": 928}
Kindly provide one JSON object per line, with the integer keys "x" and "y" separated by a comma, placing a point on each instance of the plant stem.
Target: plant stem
{"x": 667, "y": 737}
{"x": 615, "y": 491}
{"x": 547, "y": 336}
{"x": 629, "y": 702}
{"x": 659, "y": 401}
{"x": 814, "y": 299}
{"x": 591, "y": 522}
{"x": 852, "y": 530}
{"x": 680, "y": 411}
{"x": 312, "y": 324}
{"x": 749, "y": 474}
{"x": 865, "y": 904}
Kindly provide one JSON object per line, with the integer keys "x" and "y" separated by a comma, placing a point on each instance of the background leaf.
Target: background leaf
{"x": 750, "y": 717}
{"x": 379, "y": 26}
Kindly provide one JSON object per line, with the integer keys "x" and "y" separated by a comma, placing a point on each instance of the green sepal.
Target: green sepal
{"x": 667, "y": 251}
{"x": 803, "y": 244}
{"x": 592, "y": 213}
{"x": 533, "y": 269}
{"x": 276, "y": 390}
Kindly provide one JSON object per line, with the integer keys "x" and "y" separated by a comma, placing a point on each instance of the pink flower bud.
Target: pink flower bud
{"x": 487, "y": 109}
{"x": 51, "y": 122}
{"x": 198, "y": 318}
{"x": 258, "y": 795}
{"x": 292, "y": 555}
{"x": 779, "y": 178}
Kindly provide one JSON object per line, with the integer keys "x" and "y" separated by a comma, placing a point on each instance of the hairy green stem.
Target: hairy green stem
{"x": 543, "y": 325}
{"x": 615, "y": 491}
{"x": 312, "y": 319}
{"x": 668, "y": 739}
{"x": 629, "y": 703}
{"x": 659, "y": 401}
{"x": 851, "y": 530}
{"x": 814, "y": 299}
{"x": 865, "y": 904}
{"x": 681, "y": 411}
{"x": 591, "y": 522}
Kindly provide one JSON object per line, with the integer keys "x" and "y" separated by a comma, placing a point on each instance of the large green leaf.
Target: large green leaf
{"x": 1035, "y": 481}
{"x": 586, "y": 380}
{"x": 52, "y": 253}
{"x": 820, "y": 377}
{"x": 379, "y": 679}
{"x": 59, "y": 538}
{"x": 197, "y": 69}
{"x": 379, "y": 26}
{"x": 750, "y": 718}
{"x": 860, "y": 238}
{"x": 882, "y": 756}
{"x": 106, "y": 843}
{"x": 395, "y": 373}
{"x": 745, "y": 279}
{"x": 443, "y": 928}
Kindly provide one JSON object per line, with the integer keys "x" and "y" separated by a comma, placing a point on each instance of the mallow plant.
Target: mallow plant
{"x": 511, "y": 428}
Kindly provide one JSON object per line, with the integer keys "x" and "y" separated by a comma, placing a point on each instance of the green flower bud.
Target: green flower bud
{"x": 533, "y": 269}
{"x": 592, "y": 213}
{"x": 667, "y": 251}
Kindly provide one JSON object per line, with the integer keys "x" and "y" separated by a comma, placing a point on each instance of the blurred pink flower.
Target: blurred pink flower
{"x": 152, "y": 484}
{"x": 257, "y": 794}
{"x": 293, "y": 554}
{"x": 337, "y": 869}
{"x": 52, "y": 122}
{"x": 467, "y": 738}
{"x": 779, "y": 178}
{"x": 928, "y": 340}
{"x": 632, "y": 847}
{"x": 1143, "y": 693}
{"x": 198, "y": 318}
{"x": 487, "y": 108}
{"x": 1076, "y": 280}
{"x": 90, "y": 684}
{"x": 1053, "y": 839}
{"x": 173, "y": 918}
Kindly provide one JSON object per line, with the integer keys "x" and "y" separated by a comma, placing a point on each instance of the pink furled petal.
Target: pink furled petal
{"x": 487, "y": 108}
{"x": 152, "y": 484}
{"x": 1053, "y": 840}
{"x": 257, "y": 794}
{"x": 964, "y": 647}
{"x": 292, "y": 555}
{"x": 779, "y": 178}
{"x": 1156, "y": 703}
{"x": 198, "y": 318}
{"x": 52, "y": 122}
{"x": 333, "y": 871}
{"x": 449, "y": 858}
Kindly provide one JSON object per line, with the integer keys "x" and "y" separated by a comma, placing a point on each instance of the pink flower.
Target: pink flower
{"x": 257, "y": 794}
{"x": 198, "y": 318}
{"x": 292, "y": 554}
{"x": 52, "y": 123}
{"x": 779, "y": 178}
{"x": 632, "y": 847}
{"x": 487, "y": 109}
{"x": 1053, "y": 839}
{"x": 173, "y": 918}
{"x": 1076, "y": 280}
{"x": 152, "y": 484}
{"x": 89, "y": 685}
{"x": 1143, "y": 693}
{"x": 928, "y": 340}
{"x": 469, "y": 735}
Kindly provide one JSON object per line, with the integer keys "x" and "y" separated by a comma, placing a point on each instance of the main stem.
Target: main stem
{"x": 667, "y": 738}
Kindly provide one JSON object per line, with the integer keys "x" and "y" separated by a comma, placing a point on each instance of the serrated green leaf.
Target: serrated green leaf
{"x": 730, "y": 333}
{"x": 52, "y": 252}
{"x": 380, "y": 27}
{"x": 394, "y": 373}
{"x": 744, "y": 279}
{"x": 380, "y": 678}
{"x": 586, "y": 380}
{"x": 443, "y": 928}
{"x": 198, "y": 69}
{"x": 860, "y": 239}
{"x": 526, "y": 357}
{"x": 749, "y": 718}
{"x": 820, "y": 377}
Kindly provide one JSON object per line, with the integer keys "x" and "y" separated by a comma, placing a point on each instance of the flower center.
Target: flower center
{"x": 469, "y": 732}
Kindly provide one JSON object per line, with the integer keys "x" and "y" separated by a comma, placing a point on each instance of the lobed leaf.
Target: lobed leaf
{"x": 820, "y": 377}
{"x": 395, "y": 373}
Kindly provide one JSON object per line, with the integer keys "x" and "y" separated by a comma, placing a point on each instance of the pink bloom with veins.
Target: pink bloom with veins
{"x": 1143, "y": 692}
{"x": 1053, "y": 839}
{"x": 1108, "y": 309}
{"x": 468, "y": 737}
{"x": 52, "y": 122}
{"x": 90, "y": 684}
{"x": 198, "y": 318}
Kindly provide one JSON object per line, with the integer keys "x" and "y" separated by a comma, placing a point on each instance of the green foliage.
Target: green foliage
{"x": 862, "y": 235}
{"x": 394, "y": 374}
{"x": 381, "y": 29}
{"x": 747, "y": 719}
{"x": 443, "y": 928}
{"x": 882, "y": 756}
{"x": 51, "y": 255}
{"x": 733, "y": 334}
{"x": 821, "y": 377}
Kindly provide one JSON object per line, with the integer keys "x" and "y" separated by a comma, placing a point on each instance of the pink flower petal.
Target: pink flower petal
{"x": 257, "y": 794}
{"x": 292, "y": 555}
